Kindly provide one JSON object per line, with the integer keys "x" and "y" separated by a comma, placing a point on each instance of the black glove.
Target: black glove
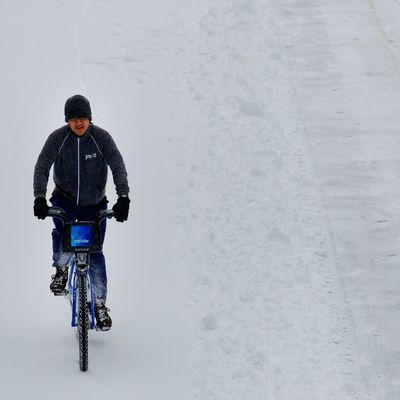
{"x": 121, "y": 209}
{"x": 40, "y": 208}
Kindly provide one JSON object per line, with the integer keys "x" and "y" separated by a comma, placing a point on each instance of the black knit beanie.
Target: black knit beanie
{"x": 77, "y": 106}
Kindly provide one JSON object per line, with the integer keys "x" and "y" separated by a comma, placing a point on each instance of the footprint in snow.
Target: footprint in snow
{"x": 250, "y": 108}
{"x": 247, "y": 6}
{"x": 257, "y": 173}
{"x": 276, "y": 235}
{"x": 209, "y": 322}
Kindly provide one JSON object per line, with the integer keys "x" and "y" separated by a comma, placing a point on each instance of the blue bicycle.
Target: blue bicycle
{"x": 81, "y": 238}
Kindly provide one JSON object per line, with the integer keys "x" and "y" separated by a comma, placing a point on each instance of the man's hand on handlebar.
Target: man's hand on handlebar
{"x": 121, "y": 208}
{"x": 40, "y": 208}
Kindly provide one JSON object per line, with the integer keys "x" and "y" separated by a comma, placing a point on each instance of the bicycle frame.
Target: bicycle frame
{"x": 81, "y": 238}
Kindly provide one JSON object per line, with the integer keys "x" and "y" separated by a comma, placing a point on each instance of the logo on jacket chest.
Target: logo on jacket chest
{"x": 90, "y": 156}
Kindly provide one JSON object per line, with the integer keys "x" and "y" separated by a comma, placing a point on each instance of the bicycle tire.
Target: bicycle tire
{"x": 83, "y": 322}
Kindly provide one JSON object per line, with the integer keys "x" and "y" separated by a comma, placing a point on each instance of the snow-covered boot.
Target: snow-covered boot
{"x": 59, "y": 281}
{"x": 103, "y": 320}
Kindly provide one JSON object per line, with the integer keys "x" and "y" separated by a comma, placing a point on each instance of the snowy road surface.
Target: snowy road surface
{"x": 261, "y": 259}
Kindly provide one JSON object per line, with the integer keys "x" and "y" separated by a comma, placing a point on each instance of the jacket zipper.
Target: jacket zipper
{"x": 79, "y": 176}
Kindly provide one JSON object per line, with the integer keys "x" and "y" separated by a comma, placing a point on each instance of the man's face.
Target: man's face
{"x": 79, "y": 125}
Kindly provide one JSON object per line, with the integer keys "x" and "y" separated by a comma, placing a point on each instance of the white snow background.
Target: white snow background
{"x": 261, "y": 257}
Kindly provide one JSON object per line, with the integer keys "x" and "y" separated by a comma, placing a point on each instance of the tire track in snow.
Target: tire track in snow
{"x": 273, "y": 321}
{"x": 78, "y": 47}
{"x": 386, "y": 38}
{"x": 368, "y": 382}
{"x": 373, "y": 361}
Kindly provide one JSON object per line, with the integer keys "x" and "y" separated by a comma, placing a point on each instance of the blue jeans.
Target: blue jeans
{"x": 97, "y": 261}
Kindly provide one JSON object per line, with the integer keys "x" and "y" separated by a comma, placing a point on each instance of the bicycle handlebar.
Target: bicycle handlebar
{"x": 103, "y": 214}
{"x": 59, "y": 213}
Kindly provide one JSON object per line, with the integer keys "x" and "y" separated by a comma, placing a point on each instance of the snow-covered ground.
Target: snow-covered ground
{"x": 261, "y": 257}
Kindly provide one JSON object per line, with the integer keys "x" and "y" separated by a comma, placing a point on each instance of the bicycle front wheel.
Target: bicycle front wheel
{"x": 83, "y": 323}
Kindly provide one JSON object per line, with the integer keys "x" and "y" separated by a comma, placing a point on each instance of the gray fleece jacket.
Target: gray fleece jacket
{"x": 80, "y": 165}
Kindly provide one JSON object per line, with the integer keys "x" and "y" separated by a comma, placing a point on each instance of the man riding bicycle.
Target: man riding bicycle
{"x": 81, "y": 153}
